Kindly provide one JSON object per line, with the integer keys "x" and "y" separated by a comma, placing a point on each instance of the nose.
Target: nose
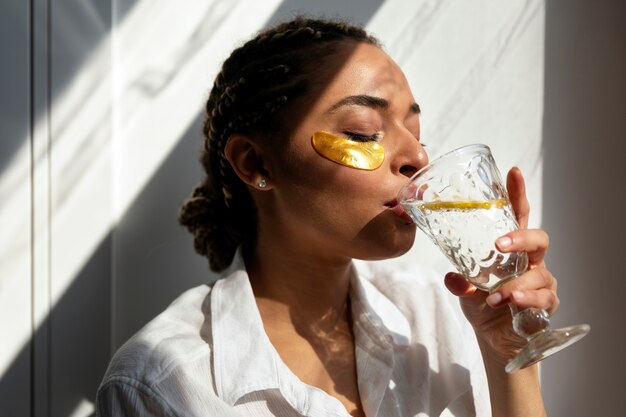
{"x": 409, "y": 156}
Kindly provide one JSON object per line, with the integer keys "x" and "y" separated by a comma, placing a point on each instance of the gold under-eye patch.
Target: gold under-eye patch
{"x": 353, "y": 154}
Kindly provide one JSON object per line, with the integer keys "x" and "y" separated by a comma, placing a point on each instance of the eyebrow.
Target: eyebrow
{"x": 368, "y": 101}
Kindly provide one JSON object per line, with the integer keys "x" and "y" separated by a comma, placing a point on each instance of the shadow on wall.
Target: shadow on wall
{"x": 79, "y": 325}
{"x": 145, "y": 262}
{"x": 79, "y": 27}
{"x": 22, "y": 44}
{"x": 14, "y": 79}
{"x": 584, "y": 144}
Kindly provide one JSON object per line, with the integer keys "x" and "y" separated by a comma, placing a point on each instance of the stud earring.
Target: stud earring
{"x": 262, "y": 183}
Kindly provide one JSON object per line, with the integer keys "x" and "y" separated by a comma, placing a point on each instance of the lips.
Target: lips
{"x": 399, "y": 211}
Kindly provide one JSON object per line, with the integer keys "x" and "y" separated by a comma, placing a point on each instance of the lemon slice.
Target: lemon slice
{"x": 464, "y": 205}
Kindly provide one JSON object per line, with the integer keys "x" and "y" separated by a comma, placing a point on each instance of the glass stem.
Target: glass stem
{"x": 530, "y": 321}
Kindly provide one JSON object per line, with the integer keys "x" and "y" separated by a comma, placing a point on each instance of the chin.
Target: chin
{"x": 385, "y": 236}
{"x": 389, "y": 246}
{"x": 395, "y": 253}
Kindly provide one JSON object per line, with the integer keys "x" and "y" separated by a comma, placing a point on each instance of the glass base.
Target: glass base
{"x": 544, "y": 344}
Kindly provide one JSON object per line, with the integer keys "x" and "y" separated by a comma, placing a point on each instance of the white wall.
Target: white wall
{"x": 100, "y": 144}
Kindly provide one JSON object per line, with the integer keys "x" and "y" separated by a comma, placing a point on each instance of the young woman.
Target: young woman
{"x": 295, "y": 327}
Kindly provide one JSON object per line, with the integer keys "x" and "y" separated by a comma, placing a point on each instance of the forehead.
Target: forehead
{"x": 363, "y": 69}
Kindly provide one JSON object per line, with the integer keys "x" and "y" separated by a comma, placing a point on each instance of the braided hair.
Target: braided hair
{"x": 250, "y": 96}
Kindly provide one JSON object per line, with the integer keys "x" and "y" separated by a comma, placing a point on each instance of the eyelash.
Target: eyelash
{"x": 362, "y": 138}
{"x": 375, "y": 137}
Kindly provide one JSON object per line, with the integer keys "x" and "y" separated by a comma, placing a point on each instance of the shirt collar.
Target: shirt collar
{"x": 379, "y": 330}
{"x": 237, "y": 332}
{"x": 245, "y": 361}
{"x": 386, "y": 324}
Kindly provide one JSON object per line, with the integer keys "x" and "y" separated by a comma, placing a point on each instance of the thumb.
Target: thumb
{"x": 458, "y": 285}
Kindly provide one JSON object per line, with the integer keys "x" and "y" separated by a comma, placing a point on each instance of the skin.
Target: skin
{"x": 315, "y": 216}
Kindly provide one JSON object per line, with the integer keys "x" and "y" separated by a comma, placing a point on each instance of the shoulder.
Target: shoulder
{"x": 172, "y": 336}
{"x": 172, "y": 348}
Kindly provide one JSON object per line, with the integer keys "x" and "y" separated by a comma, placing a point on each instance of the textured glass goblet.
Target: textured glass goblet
{"x": 460, "y": 202}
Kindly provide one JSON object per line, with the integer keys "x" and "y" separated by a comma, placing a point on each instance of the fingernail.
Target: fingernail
{"x": 504, "y": 242}
{"x": 494, "y": 299}
{"x": 517, "y": 295}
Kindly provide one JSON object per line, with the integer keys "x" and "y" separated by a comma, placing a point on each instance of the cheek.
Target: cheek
{"x": 302, "y": 166}
{"x": 342, "y": 206}
{"x": 330, "y": 192}
{"x": 325, "y": 191}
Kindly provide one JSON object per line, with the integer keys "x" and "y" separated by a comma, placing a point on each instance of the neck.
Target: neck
{"x": 298, "y": 288}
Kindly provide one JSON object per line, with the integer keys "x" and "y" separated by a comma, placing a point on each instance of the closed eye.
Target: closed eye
{"x": 362, "y": 138}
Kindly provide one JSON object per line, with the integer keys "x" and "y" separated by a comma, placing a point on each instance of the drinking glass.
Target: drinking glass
{"x": 460, "y": 202}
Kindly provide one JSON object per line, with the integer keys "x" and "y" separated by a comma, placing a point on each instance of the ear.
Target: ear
{"x": 245, "y": 156}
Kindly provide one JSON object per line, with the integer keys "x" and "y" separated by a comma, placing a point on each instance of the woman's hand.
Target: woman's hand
{"x": 536, "y": 288}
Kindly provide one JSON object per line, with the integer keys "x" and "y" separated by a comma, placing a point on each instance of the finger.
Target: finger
{"x": 533, "y": 241}
{"x": 543, "y": 298}
{"x": 535, "y": 279}
{"x": 516, "y": 188}
{"x": 458, "y": 285}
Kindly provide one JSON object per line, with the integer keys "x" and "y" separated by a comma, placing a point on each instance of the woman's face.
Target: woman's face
{"x": 323, "y": 207}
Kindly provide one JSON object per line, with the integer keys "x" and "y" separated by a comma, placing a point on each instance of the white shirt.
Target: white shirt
{"x": 208, "y": 355}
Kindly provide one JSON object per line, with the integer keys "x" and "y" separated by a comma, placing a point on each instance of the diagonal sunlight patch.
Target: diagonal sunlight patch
{"x": 116, "y": 113}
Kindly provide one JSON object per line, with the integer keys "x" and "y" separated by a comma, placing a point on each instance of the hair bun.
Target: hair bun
{"x": 203, "y": 215}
